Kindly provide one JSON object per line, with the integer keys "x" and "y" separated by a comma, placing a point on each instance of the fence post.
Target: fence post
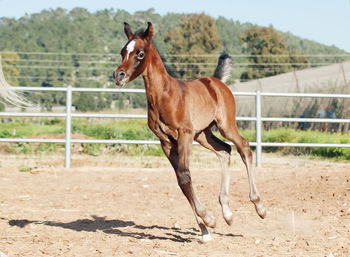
{"x": 258, "y": 128}
{"x": 68, "y": 125}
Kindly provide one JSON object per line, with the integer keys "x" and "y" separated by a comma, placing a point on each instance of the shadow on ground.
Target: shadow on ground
{"x": 114, "y": 227}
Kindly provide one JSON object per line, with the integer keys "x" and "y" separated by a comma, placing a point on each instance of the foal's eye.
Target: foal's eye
{"x": 140, "y": 54}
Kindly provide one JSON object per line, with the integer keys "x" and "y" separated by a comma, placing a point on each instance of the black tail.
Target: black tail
{"x": 224, "y": 68}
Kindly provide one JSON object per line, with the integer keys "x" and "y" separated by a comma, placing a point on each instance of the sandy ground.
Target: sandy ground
{"x": 132, "y": 206}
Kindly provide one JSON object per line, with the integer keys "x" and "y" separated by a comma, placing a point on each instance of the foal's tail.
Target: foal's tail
{"x": 224, "y": 68}
{"x": 8, "y": 94}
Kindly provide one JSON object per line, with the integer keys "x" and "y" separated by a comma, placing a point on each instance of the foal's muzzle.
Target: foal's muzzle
{"x": 120, "y": 77}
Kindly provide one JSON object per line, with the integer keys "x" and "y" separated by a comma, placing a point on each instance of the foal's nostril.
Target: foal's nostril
{"x": 121, "y": 75}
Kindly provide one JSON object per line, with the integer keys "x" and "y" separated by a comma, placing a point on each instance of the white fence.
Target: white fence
{"x": 68, "y": 115}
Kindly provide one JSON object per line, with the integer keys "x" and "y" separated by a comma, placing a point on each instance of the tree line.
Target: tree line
{"x": 56, "y": 48}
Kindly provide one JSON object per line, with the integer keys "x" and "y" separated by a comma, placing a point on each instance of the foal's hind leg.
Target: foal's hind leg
{"x": 222, "y": 150}
{"x": 231, "y": 133}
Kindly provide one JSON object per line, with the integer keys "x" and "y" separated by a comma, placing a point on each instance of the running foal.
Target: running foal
{"x": 180, "y": 112}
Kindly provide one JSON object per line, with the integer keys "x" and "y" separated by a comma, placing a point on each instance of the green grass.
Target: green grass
{"x": 309, "y": 136}
{"x": 25, "y": 169}
{"x": 138, "y": 129}
{"x": 31, "y": 128}
{"x": 123, "y": 129}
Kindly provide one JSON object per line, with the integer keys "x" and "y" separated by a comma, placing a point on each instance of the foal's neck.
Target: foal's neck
{"x": 155, "y": 75}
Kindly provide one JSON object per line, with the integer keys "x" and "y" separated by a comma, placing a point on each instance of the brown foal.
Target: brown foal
{"x": 180, "y": 112}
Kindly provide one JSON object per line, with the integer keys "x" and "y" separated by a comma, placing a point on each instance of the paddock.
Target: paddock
{"x": 132, "y": 206}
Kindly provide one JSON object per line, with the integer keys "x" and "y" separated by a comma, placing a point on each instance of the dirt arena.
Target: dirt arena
{"x": 132, "y": 206}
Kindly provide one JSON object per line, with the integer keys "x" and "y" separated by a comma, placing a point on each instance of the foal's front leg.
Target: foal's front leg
{"x": 184, "y": 177}
{"x": 178, "y": 154}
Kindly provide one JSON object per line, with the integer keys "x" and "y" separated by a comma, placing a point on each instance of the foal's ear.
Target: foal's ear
{"x": 149, "y": 33}
{"x": 127, "y": 30}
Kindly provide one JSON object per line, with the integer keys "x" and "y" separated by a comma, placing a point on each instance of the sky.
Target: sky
{"x": 325, "y": 21}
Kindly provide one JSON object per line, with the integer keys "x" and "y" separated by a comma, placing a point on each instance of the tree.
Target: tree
{"x": 268, "y": 53}
{"x": 196, "y": 37}
{"x": 84, "y": 102}
{"x": 59, "y": 47}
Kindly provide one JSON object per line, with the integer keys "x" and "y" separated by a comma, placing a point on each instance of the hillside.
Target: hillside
{"x": 58, "y": 47}
{"x": 326, "y": 79}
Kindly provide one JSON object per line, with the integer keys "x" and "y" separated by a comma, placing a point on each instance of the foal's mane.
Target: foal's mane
{"x": 139, "y": 33}
{"x": 168, "y": 69}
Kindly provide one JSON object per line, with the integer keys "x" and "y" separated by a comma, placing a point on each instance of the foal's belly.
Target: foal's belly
{"x": 202, "y": 117}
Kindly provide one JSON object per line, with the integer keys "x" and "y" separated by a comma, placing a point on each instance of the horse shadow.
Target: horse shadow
{"x": 115, "y": 227}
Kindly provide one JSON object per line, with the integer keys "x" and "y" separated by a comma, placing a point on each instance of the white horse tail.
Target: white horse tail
{"x": 8, "y": 94}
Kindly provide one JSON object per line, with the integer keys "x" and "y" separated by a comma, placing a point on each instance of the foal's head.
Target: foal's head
{"x": 134, "y": 54}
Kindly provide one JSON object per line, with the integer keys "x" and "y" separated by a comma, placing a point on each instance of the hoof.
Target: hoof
{"x": 229, "y": 219}
{"x": 210, "y": 221}
{"x": 260, "y": 210}
{"x": 206, "y": 238}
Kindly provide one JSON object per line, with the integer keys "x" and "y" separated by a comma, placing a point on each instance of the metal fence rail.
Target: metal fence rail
{"x": 258, "y": 119}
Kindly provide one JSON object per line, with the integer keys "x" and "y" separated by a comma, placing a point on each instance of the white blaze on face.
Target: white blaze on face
{"x": 129, "y": 48}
